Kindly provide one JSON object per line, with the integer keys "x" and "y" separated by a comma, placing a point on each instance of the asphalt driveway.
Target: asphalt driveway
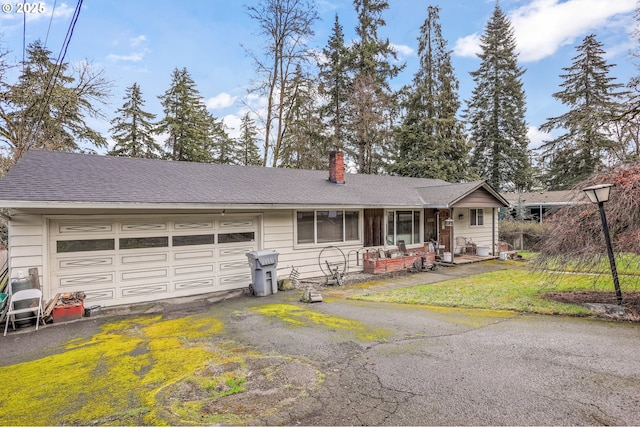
{"x": 407, "y": 365}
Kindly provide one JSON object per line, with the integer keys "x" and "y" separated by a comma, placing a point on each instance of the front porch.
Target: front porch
{"x": 459, "y": 259}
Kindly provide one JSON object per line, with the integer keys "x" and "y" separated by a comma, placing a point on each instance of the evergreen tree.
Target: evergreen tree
{"x": 187, "y": 123}
{"x": 431, "y": 141}
{"x": 335, "y": 84}
{"x": 372, "y": 102}
{"x": 305, "y": 147}
{"x": 593, "y": 98}
{"x": 133, "y": 129}
{"x": 49, "y": 105}
{"x": 224, "y": 147}
{"x": 248, "y": 152}
{"x": 496, "y": 111}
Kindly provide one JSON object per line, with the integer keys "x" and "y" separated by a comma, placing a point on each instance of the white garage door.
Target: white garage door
{"x": 121, "y": 261}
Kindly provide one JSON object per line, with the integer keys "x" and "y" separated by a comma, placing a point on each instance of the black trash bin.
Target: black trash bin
{"x": 264, "y": 278}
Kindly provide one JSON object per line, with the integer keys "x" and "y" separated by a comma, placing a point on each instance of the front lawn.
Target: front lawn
{"x": 516, "y": 288}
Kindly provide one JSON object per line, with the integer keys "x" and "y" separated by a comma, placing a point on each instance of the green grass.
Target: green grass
{"x": 626, "y": 264}
{"x": 516, "y": 288}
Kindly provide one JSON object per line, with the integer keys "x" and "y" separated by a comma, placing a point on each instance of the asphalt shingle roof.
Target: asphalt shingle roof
{"x": 45, "y": 176}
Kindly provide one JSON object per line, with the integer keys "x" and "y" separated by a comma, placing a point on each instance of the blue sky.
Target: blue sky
{"x": 144, "y": 40}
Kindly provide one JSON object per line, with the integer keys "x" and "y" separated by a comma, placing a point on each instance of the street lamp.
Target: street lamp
{"x": 600, "y": 194}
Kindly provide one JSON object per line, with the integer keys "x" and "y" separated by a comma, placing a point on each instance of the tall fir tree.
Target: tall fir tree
{"x": 305, "y": 147}
{"x": 133, "y": 129}
{"x": 225, "y": 150}
{"x": 496, "y": 111}
{"x": 594, "y": 98}
{"x": 372, "y": 102}
{"x": 49, "y": 106}
{"x": 335, "y": 84}
{"x": 186, "y": 122}
{"x": 247, "y": 142}
{"x": 431, "y": 142}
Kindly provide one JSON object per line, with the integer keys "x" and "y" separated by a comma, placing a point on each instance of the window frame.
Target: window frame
{"x": 346, "y": 215}
{"x": 414, "y": 221}
{"x": 476, "y": 220}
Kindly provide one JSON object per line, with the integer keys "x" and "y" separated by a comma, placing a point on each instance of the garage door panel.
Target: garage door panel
{"x": 144, "y": 258}
{"x": 144, "y": 274}
{"x": 149, "y": 289}
{"x": 196, "y": 283}
{"x": 99, "y": 295}
{"x": 234, "y": 281}
{"x": 143, "y": 226}
{"x": 93, "y": 262}
{"x": 193, "y": 269}
{"x": 85, "y": 228}
{"x": 235, "y": 251}
{"x": 192, "y": 255}
{"x": 234, "y": 265}
{"x": 85, "y": 280}
{"x": 207, "y": 225}
{"x": 237, "y": 223}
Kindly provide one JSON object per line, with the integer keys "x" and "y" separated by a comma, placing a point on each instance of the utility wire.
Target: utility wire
{"x": 50, "y": 21}
{"x": 57, "y": 68}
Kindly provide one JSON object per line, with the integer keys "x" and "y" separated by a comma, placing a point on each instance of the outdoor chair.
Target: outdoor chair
{"x": 461, "y": 242}
{"x": 26, "y": 296}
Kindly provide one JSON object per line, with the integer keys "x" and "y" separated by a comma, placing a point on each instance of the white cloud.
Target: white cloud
{"x": 221, "y": 100}
{"x": 403, "y": 50}
{"x": 137, "y": 41}
{"x": 468, "y": 46}
{"x": 133, "y": 57}
{"x": 232, "y": 122}
{"x": 536, "y": 137}
{"x": 543, "y": 26}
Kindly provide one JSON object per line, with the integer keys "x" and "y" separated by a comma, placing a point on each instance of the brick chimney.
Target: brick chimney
{"x": 336, "y": 167}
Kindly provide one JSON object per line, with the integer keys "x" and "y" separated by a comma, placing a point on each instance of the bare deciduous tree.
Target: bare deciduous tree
{"x": 286, "y": 26}
{"x": 574, "y": 234}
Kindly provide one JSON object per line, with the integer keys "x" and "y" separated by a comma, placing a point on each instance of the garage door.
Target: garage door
{"x": 121, "y": 261}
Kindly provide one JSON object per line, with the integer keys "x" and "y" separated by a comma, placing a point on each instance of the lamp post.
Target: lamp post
{"x": 600, "y": 194}
{"x": 449, "y": 224}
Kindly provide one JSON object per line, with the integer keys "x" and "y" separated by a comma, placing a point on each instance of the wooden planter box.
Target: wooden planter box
{"x": 375, "y": 265}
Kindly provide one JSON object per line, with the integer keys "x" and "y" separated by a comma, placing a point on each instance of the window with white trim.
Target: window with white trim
{"x": 476, "y": 216}
{"x": 403, "y": 225}
{"x": 327, "y": 226}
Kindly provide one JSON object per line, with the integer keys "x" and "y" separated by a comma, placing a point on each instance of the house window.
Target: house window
{"x": 476, "y": 216}
{"x": 403, "y": 225}
{"x": 327, "y": 226}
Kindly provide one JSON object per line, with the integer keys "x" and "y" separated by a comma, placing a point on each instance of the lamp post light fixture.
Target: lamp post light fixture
{"x": 600, "y": 194}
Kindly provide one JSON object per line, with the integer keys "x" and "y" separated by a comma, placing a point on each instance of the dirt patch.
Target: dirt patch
{"x": 630, "y": 300}
{"x": 258, "y": 387}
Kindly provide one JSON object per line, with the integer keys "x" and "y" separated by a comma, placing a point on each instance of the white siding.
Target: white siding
{"x": 27, "y": 245}
{"x": 279, "y": 235}
{"x": 480, "y": 235}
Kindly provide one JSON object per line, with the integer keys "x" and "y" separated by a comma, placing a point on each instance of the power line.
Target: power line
{"x": 50, "y": 21}
{"x": 57, "y": 68}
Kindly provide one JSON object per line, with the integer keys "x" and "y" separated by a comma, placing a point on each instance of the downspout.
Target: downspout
{"x": 493, "y": 230}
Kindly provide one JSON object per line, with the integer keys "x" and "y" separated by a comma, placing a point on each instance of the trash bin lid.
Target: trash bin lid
{"x": 264, "y": 257}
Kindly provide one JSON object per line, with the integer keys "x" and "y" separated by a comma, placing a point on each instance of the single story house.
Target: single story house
{"x": 127, "y": 230}
{"x": 537, "y": 205}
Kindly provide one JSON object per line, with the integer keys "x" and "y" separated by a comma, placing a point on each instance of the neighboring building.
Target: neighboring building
{"x": 129, "y": 230}
{"x": 538, "y": 205}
